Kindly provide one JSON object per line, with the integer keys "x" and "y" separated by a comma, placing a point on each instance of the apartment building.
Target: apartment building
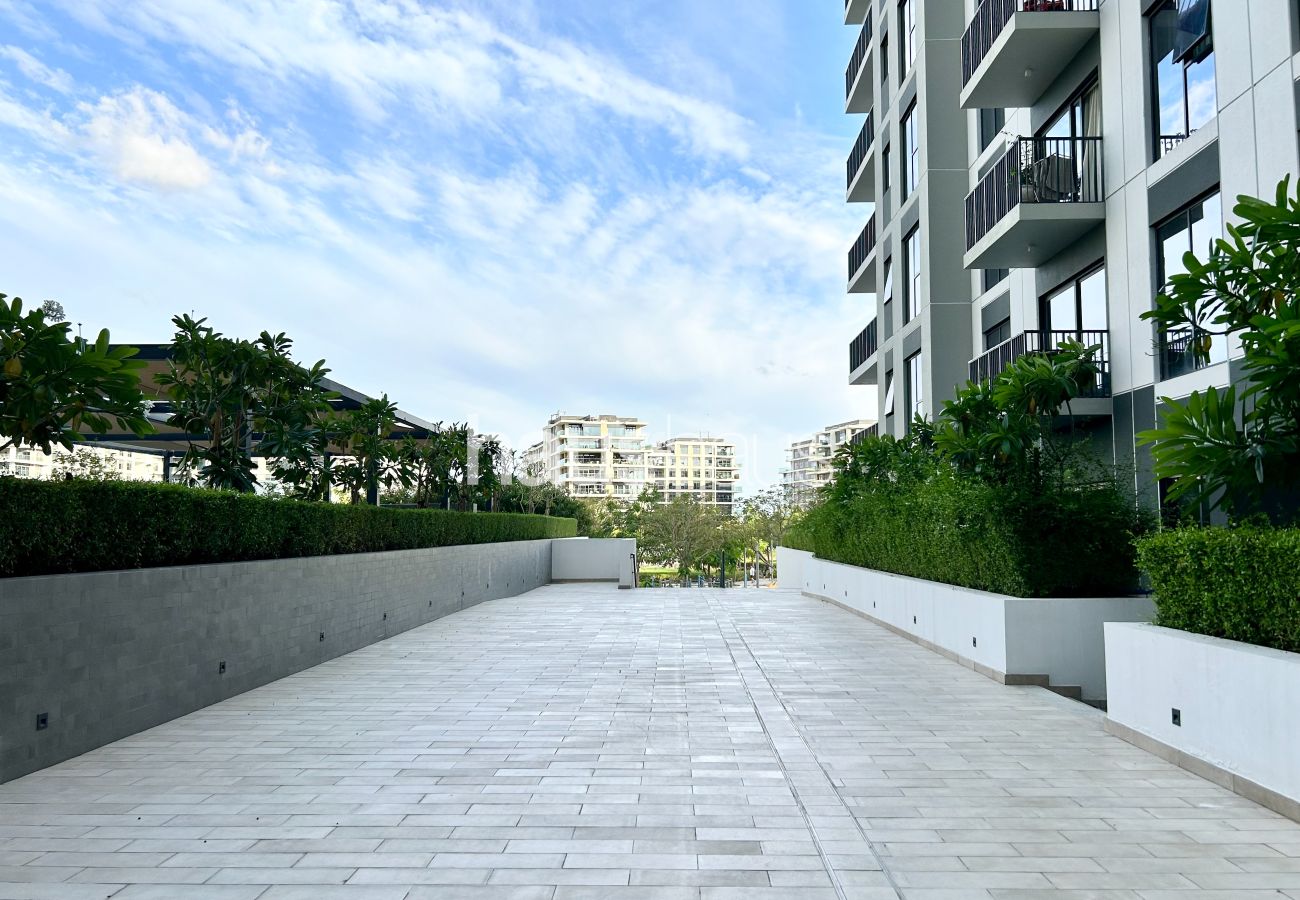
{"x": 1065, "y": 154}
{"x": 808, "y": 462}
{"x": 703, "y": 467}
{"x": 25, "y": 462}
{"x": 593, "y": 456}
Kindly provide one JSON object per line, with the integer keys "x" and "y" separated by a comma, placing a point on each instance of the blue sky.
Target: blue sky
{"x": 490, "y": 210}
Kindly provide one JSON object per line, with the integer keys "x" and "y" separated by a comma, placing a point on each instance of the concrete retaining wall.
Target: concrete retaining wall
{"x": 587, "y": 559}
{"x": 1238, "y": 708}
{"x": 1055, "y": 642}
{"x": 104, "y": 655}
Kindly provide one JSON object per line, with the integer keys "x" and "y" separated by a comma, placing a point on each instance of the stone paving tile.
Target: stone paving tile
{"x": 580, "y": 742}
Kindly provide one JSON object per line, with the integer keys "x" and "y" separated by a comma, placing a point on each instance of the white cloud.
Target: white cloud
{"x": 33, "y": 68}
{"x": 384, "y": 53}
{"x": 142, "y": 135}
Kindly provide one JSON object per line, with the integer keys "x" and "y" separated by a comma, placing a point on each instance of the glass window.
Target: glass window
{"x": 1193, "y": 229}
{"x": 884, "y": 68}
{"x": 1076, "y": 308}
{"x": 886, "y": 168}
{"x": 992, "y": 277}
{"x": 997, "y": 334}
{"x": 888, "y": 293}
{"x": 907, "y": 34}
{"x": 1182, "y": 77}
{"x": 887, "y": 407}
{"x": 915, "y": 387}
{"x": 911, "y": 152}
{"x": 992, "y": 121}
{"x": 912, "y": 274}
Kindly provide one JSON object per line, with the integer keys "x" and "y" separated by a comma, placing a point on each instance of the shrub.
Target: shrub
{"x": 80, "y": 526}
{"x": 1241, "y": 583}
{"x": 955, "y": 530}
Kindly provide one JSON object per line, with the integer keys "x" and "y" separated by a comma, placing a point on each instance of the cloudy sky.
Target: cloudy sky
{"x": 491, "y": 210}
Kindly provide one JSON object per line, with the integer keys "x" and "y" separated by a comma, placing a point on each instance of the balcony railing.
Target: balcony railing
{"x": 992, "y": 17}
{"x": 862, "y": 247}
{"x": 860, "y": 147}
{"x": 863, "y": 346}
{"x": 869, "y": 432}
{"x": 1184, "y": 351}
{"x": 991, "y": 364}
{"x": 859, "y": 56}
{"x": 1035, "y": 170}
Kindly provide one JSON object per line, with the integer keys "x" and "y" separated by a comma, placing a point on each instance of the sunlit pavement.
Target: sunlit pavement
{"x": 585, "y": 742}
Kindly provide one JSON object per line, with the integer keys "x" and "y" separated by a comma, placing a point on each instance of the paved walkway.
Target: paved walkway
{"x": 580, "y": 742}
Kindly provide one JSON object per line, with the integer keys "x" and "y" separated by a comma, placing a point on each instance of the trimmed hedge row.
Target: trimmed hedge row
{"x": 82, "y": 526}
{"x": 967, "y": 533}
{"x": 1241, "y": 583}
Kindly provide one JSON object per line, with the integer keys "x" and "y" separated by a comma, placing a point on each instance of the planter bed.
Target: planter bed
{"x": 1227, "y": 711}
{"x": 1055, "y": 643}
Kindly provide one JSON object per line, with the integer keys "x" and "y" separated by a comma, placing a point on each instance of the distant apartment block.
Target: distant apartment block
{"x": 702, "y": 467}
{"x": 593, "y": 456}
{"x": 599, "y": 456}
{"x": 26, "y": 462}
{"x": 808, "y": 462}
{"x": 1033, "y": 171}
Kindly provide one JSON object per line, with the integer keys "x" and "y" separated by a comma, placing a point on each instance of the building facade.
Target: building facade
{"x": 593, "y": 456}
{"x": 27, "y": 462}
{"x": 705, "y": 468}
{"x": 1068, "y": 153}
{"x": 808, "y": 462}
{"x": 605, "y": 456}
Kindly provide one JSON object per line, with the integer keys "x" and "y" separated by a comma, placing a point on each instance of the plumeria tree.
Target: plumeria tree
{"x": 1238, "y": 450}
{"x": 241, "y": 399}
{"x": 54, "y": 388}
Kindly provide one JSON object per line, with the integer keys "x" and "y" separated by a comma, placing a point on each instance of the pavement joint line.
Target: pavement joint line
{"x": 831, "y": 872}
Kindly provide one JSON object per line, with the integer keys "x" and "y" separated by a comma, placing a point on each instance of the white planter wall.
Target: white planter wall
{"x": 1056, "y": 642}
{"x": 1239, "y": 706}
{"x": 588, "y": 559}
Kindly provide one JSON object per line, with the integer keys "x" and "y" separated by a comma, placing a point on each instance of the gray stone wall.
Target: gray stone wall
{"x": 108, "y": 654}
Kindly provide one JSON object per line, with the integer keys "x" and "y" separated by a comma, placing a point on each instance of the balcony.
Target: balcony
{"x": 1094, "y": 400}
{"x": 862, "y": 353}
{"x": 1040, "y": 197}
{"x": 857, "y": 77}
{"x": 856, "y": 11}
{"x": 1014, "y": 49}
{"x": 1188, "y": 350}
{"x": 869, "y": 432}
{"x": 862, "y": 272}
{"x": 861, "y": 174}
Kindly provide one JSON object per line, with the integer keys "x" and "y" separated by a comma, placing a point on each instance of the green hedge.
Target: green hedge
{"x": 1076, "y": 543}
{"x": 1242, "y": 584}
{"x": 84, "y": 526}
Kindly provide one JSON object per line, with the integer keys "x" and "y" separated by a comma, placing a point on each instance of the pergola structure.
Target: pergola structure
{"x": 171, "y": 443}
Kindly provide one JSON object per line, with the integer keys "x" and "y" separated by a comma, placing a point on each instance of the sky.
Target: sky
{"x": 491, "y": 210}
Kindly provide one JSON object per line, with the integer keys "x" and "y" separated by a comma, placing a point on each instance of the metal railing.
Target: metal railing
{"x": 1168, "y": 142}
{"x": 863, "y": 347}
{"x": 993, "y": 362}
{"x": 869, "y": 432}
{"x": 1035, "y": 170}
{"x": 1184, "y": 350}
{"x": 860, "y": 51}
{"x": 992, "y": 17}
{"x": 866, "y": 137}
{"x": 862, "y": 247}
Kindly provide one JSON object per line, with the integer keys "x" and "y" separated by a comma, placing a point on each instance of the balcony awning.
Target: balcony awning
{"x": 1193, "y": 28}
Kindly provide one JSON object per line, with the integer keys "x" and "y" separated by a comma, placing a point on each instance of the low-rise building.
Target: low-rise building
{"x": 29, "y": 462}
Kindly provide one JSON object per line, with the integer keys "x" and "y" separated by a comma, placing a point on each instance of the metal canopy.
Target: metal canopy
{"x": 170, "y": 441}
